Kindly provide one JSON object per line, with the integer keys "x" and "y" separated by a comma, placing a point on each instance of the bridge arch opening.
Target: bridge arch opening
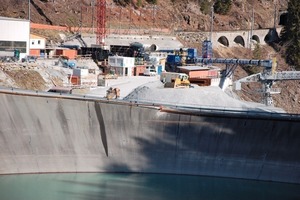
{"x": 239, "y": 40}
{"x": 223, "y": 40}
{"x": 256, "y": 38}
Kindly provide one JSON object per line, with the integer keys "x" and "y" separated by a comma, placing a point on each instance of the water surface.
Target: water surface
{"x": 92, "y": 186}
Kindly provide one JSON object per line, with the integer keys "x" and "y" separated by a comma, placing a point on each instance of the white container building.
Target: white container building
{"x": 80, "y": 72}
{"x": 87, "y": 77}
{"x": 14, "y": 34}
{"x": 123, "y": 66}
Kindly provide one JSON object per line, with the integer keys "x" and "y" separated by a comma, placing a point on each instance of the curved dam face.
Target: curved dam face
{"x": 46, "y": 134}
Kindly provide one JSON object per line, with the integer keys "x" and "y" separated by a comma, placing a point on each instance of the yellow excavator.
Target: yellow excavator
{"x": 175, "y": 80}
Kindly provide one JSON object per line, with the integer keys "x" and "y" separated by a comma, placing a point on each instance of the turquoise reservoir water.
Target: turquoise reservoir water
{"x": 92, "y": 186}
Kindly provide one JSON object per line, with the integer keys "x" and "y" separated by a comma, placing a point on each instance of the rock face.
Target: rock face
{"x": 176, "y": 15}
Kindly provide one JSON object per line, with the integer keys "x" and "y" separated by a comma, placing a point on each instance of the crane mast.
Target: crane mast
{"x": 101, "y": 22}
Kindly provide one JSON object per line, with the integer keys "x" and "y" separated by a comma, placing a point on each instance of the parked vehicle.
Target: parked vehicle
{"x": 150, "y": 71}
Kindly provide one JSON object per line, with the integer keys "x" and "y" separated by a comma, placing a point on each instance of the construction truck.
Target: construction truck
{"x": 175, "y": 80}
{"x": 9, "y": 55}
{"x": 112, "y": 93}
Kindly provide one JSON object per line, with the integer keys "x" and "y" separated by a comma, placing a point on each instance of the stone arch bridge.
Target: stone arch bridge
{"x": 244, "y": 38}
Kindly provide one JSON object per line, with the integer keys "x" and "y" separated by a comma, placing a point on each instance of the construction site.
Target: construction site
{"x": 105, "y": 102}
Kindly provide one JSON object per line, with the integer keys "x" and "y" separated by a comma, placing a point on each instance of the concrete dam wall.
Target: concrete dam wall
{"x": 46, "y": 134}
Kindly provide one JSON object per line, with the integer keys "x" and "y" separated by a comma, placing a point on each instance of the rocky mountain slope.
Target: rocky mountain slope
{"x": 171, "y": 14}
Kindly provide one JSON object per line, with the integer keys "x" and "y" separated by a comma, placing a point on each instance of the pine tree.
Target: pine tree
{"x": 257, "y": 54}
{"x": 291, "y": 34}
{"x": 222, "y": 7}
{"x": 205, "y": 6}
{"x": 152, "y": 1}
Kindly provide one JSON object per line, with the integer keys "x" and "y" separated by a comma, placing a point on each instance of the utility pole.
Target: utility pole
{"x": 275, "y": 13}
{"x": 81, "y": 10}
{"x": 130, "y": 11}
{"x": 93, "y": 15}
{"x": 120, "y": 19}
{"x": 29, "y": 10}
{"x": 252, "y": 24}
{"x": 29, "y": 27}
{"x": 211, "y": 22}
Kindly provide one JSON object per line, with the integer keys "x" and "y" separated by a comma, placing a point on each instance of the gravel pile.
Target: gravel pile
{"x": 205, "y": 97}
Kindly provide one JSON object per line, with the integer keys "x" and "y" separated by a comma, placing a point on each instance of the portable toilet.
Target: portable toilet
{"x": 159, "y": 69}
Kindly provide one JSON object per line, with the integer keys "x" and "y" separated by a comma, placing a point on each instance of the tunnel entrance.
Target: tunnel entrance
{"x": 223, "y": 40}
{"x": 283, "y": 19}
{"x": 272, "y": 36}
{"x": 239, "y": 40}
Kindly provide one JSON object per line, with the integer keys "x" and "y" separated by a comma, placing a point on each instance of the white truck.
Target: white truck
{"x": 150, "y": 71}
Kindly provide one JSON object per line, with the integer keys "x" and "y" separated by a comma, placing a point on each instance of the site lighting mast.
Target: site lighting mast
{"x": 29, "y": 27}
{"x": 93, "y": 17}
{"x": 275, "y": 13}
{"x": 251, "y": 26}
{"x": 212, "y": 22}
{"x": 101, "y": 22}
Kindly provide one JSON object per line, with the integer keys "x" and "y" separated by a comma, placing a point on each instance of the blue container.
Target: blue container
{"x": 192, "y": 53}
{"x": 173, "y": 59}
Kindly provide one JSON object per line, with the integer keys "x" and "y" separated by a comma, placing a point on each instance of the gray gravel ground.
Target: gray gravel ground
{"x": 144, "y": 89}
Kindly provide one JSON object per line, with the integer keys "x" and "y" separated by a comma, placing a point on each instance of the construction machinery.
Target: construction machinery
{"x": 112, "y": 93}
{"x": 9, "y": 55}
{"x": 111, "y": 75}
{"x": 175, "y": 80}
{"x": 268, "y": 77}
{"x": 64, "y": 60}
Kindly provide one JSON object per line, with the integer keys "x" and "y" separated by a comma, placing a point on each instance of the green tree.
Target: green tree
{"x": 257, "y": 52}
{"x": 222, "y": 7}
{"x": 205, "y": 6}
{"x": 122, "y": 2}
{"x": 152, "y": 1}
{"x": 139, "y": 3}
{"x": 291, "y": 34}
{"x": 257, "y": 55}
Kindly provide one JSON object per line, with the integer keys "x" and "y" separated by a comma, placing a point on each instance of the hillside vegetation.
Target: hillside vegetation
{"x": 191, "y": 15}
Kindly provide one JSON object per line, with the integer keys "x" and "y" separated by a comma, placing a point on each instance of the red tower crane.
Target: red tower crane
{"x": 101, "y": 22}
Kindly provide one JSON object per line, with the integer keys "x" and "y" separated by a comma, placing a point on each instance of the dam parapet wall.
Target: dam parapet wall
{"x": 49, "y": 135}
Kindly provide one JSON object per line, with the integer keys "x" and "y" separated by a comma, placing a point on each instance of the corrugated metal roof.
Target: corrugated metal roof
{"x": 13, "y": 19}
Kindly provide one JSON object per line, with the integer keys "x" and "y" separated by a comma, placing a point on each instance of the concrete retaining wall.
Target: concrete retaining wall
{"x": 44, "y": 134}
